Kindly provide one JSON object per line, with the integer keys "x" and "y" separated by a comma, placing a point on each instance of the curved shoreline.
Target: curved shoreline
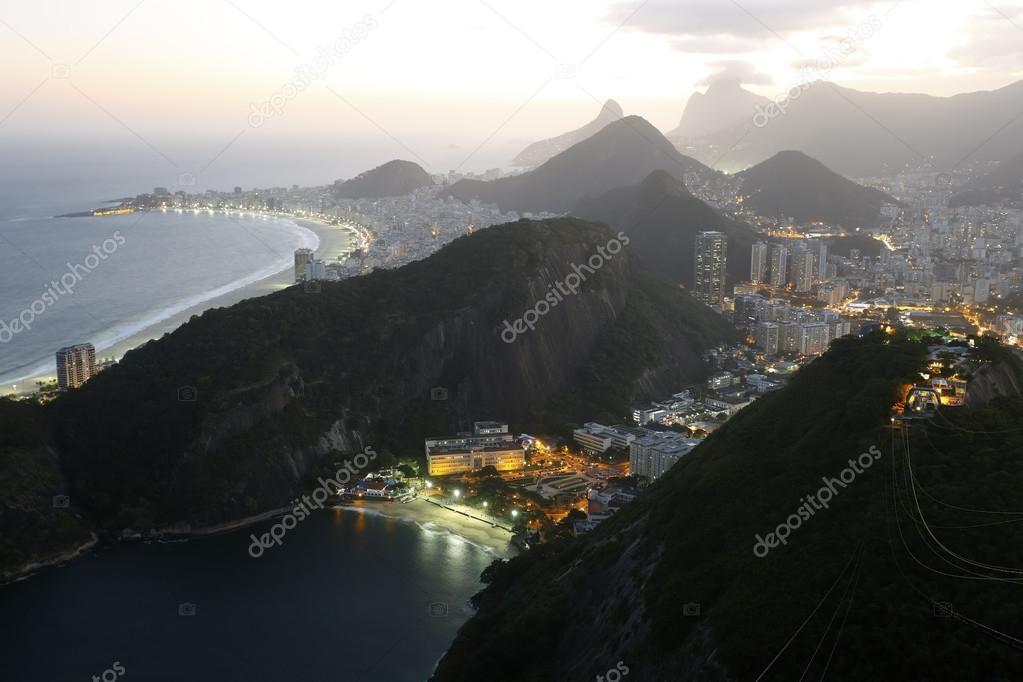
{"x": 119, "y": 339}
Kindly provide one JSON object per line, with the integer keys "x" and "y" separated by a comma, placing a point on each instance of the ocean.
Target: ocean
{"x": 160, "y": 268}
{"x": 348, "y": 596}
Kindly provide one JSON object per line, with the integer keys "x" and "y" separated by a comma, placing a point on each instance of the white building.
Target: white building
{"x": 657, "y": 451}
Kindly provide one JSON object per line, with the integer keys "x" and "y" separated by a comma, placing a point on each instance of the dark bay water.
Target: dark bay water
{"x": 348, "y": 597}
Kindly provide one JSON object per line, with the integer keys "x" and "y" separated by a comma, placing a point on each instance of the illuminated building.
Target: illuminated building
{"x": 711, "y": 256}
{"x": 75, "y": 365}
{"x": 758, "y": 263}
{"x": 490, "y": 444}
{"x": 302, "y": 258}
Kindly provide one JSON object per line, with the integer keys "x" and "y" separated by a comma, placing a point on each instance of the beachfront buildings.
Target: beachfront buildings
{"x": 75, "y": 365}
{"x": 302, "y": 258}
{"x": 489, "y": 444}
{"x": 711, "y": 255}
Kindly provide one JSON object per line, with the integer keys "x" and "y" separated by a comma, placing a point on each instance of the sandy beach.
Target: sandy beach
{"x": 438, "y": 520}
{"x": 335, "y": 241}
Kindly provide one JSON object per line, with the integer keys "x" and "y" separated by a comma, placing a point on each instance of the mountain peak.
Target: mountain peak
{"x": 539, "y": 152}
{"x": 394, "y": 178}
{"x": 793, "y": 184}
{"x": 613, "y": 109}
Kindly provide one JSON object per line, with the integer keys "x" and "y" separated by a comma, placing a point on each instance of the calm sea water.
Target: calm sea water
{"x": 347, "y": 597}
{"x": 148, "y": 267}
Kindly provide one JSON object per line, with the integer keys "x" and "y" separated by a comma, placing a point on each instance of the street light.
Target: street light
{"x": 515, "y": 512}
{"x": 429, "y": 484}
{"x": 457, "y": 493}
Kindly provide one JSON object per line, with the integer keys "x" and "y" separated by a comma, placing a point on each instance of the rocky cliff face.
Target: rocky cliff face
{"x": 1001, "y": 379}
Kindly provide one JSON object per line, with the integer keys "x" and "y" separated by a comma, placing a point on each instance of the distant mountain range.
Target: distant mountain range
{"x": 865, "y": 133}
{"x": 791, "y": 184}
{"x": 623, "y": 153}
{"x": 392, "y": 179}
{"x": 725, "y": 106}
{"x": 540, "y": 152}
{"x": 1003, "y": 183}
{"x": 662, "y": 219}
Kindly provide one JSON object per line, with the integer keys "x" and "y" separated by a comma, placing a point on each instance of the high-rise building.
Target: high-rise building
{"x": 711, "y": 257}
{"x": 802, "y": 270}
{"x": 814, "y": 338}
{"x": 315, "y": 270}
{"x": 302, "y": 257}
{"x": 75, "y": 365}
{"x": 758, "y": 263}
{"x": 767, "y": 336}
{"x": 779, "y": 266}
{"x": 822, "y": 261}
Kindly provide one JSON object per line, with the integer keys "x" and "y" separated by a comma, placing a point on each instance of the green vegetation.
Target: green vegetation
{"x": 229, "y": 416}
{"x": 792, "y": 184}
{"x": 620, "y": 592}
{"x": 35, "y": 523}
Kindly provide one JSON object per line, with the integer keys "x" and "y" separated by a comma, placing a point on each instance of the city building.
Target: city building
{"x": 758, "y": 263}
{"x": 489, "y": 444}
{"x": 768, "y": 337}
{"x": 75, "y": 365}
{"x": 315, "y": 270}
{"x": 598, "y": 439}
{"x": 814, "y": 337}
{"x": 302, "y": 257}
{"x": 653, "y": 453}
{"x": 802, "y": 270}
{"x": 779, "y": 266}
{"x": 711, "y": 256}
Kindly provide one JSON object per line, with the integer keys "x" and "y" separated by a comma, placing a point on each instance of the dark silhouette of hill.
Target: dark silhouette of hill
{"x": 792, "y": 184}
{"x": 542, "y": 151}
{"x": 662, "y": 219}
{"x": 623, "y": 153}
{"x": 392, "y": 179}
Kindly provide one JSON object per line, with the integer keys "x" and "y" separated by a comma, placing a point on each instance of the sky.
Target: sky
{"x": 475, "y": 76}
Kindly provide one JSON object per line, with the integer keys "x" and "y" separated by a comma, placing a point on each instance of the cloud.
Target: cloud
{"x": 755, "y": 20}
{"x": 744, "y": 73}
{"x": 994, "y": 41}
